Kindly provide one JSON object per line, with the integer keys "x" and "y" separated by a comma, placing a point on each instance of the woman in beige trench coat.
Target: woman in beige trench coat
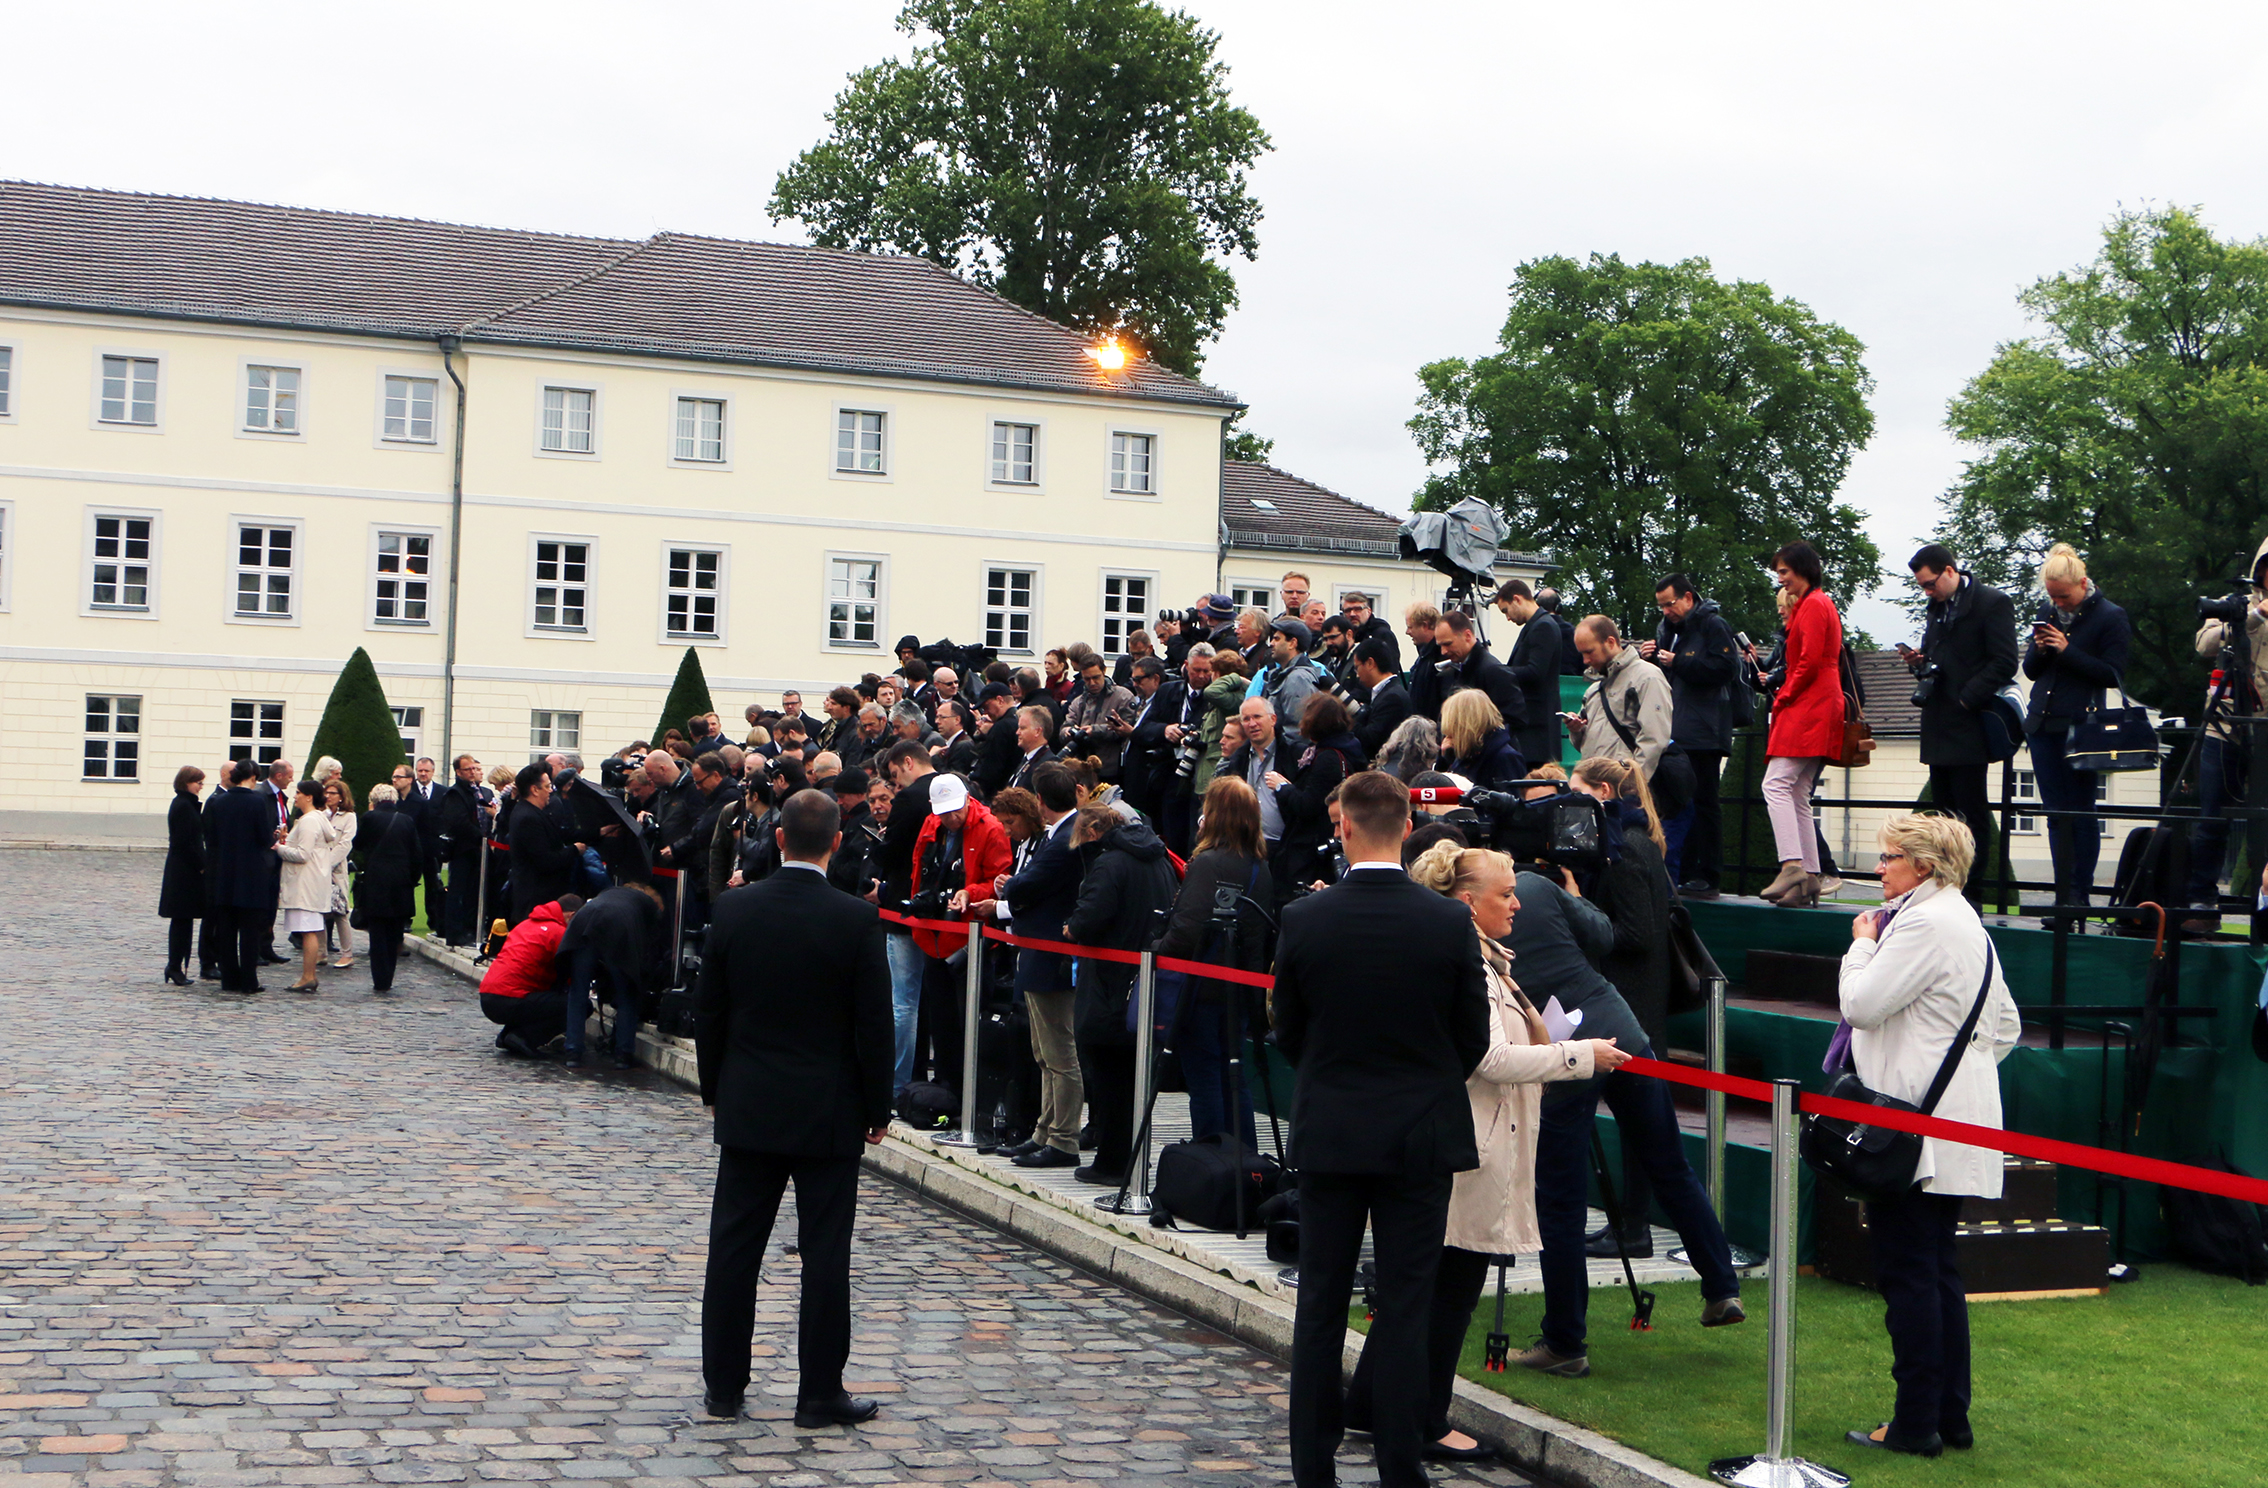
{"x": 1492, "y": 1209}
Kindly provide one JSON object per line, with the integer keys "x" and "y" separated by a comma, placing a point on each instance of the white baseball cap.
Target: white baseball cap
{"x": 948, "y": 793}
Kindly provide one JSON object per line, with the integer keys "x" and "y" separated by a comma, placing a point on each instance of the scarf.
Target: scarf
{"x": 1839, "y": 1046}
{"x": 1499, "y": 961}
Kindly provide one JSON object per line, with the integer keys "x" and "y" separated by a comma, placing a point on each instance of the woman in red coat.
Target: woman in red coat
{"x": 1807, "y": 723}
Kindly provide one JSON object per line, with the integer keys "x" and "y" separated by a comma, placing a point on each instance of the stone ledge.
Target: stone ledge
{"x": 1252, "y": 1308}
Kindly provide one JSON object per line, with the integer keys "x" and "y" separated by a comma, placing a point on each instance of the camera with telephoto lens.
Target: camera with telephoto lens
{"x": 1563, "y": 828}
{"x": 2228, "y": 609}
{"x": 1186, "y": 754}
{"x": 1190, "y": 619}
{"x": 943, "y": 652}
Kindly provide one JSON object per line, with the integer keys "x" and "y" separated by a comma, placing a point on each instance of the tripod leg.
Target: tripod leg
{"x": 1642, "y": 1303}
{"x": 1232, "y": 1108}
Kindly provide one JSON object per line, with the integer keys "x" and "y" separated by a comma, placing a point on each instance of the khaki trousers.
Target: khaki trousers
{"x": 1062, "y": 1096}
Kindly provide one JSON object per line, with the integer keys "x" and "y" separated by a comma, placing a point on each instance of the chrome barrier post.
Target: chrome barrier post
{"x": 1713, "y": 1103}
{"x": 1135, "y": 1197}
{"x": 480, "y": 901}
{"x": 966, "y": 1136}
{"x": 1775, "y": 1468}
{"x": 677, "y": 930}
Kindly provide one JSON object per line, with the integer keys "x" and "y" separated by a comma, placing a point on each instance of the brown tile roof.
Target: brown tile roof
{"x": 707, "y": 299}
{"x": 1301, "y": 516}
{"x": 1889, "y": 685}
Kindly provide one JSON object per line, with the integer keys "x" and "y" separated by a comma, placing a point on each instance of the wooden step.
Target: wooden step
{"x": 2000, "y": 1257}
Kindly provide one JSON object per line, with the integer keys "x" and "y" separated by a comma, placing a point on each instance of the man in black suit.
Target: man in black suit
{"x": 958, "y": 754}
{"x": 244, "y": 876}
{"x": 1040, "y": 896}
{"x": 462, "y": 814}
{"x": 424, "y": 805}
{"x": 1145, "y": 769}
{"x": 1534, "y": 664}
{"x": 1968, "y": 652}
{"x": 1389, "y": 695}
{"x": 1475, "y": 666}
{"x": 275, "y": 797}
{"x": 797, "y": 1067}
{"x": 1035, "y": 725}
{"x": 1382, "y": 1007}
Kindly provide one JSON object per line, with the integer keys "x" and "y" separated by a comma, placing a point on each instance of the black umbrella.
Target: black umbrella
{"x": 2158, "y": 995}
{"x": 623, "y": 850}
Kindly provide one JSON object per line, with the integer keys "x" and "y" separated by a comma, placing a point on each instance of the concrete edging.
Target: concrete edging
{"x": 1250, "y": 1308}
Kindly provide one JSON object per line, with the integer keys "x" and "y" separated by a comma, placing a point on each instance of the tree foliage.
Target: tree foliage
{"x": 358, "y": 729}
{"x": 2134, "y": 427}
{"x": 1080, "y": 157}
{"x": 688, "y": 695}
{"x": 1239, "y": 443}
{"x": 1646, "y": 418}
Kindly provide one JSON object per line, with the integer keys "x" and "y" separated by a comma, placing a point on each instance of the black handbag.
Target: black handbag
{"x": 2108, "y": 740}
{"x": 1689, "y": 962}
{"x": 1876, "y": 1162}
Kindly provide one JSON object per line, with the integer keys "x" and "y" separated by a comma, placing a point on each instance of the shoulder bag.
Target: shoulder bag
{"x": 1673, "y": 782}
{"x": 2108, "y": 740}
{"x": 1875, "y": 1162}
{"x": 1858, "y": 734}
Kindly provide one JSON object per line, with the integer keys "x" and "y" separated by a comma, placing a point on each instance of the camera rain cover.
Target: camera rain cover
{"x": 1460, "y": 542}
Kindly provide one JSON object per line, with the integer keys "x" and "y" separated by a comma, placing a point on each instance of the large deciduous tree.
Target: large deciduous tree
{"x": 2134, "y": 427}
{"x": 1646, "y": 418}
{"x": 1080, "y": 157}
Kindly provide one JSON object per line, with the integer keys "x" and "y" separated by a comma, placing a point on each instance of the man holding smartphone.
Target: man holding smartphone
{"x": 1968, "y": 653}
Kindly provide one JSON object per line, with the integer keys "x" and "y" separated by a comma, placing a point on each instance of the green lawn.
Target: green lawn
{"x": 2161, "y": 1381}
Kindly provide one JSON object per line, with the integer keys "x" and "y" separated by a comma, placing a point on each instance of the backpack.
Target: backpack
{"x": 2222, "y": 1235}
{"x": 928, "y": 1106}
{"x": 2153, "y": 868}
{"x": 1198, "y": 1183}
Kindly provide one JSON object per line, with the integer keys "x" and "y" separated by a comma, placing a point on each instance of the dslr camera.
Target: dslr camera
{"x": 1561, "y": 829}
{"x": 1189, "y": 619}
{"x": 1925, "y": 683}
{"x": 2228, "y": 609}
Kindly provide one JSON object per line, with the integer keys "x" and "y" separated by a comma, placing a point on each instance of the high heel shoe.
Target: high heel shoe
{"x": 177, "y": 977}
{"x": 1791, "y": 874}
{"x": 1803, "y": 896}
{"x": 302, "y": 986}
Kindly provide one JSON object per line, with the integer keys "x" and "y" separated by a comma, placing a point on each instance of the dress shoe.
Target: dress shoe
{"x": 512, "y": 1043}
{"x": 1093, "y": 1173}
{"x": 1697, "y": 888}
{"x": 722, "y": 1408}
{"x": 625, "y": 1062}
{"x": 844, "y": 1409}
{"x": 1959, "y": 1439}
{"x": 270, "y": 958}
{"x": 1479, "y": 1451}
{"x": 1541, "y": 1359}
{"x": 209, "y": 971}
{"x": 1723, "y": 1313}
{"x": 1020, "y": 1149}
{"x": 176, "y": 978}
{"x": 1087, "y": 1138}
{"x": 1601, "y": 1245}
{"x": 1932, "y": 1445}
{"x": 1791, "y": 874}
{"x": 574, "y": 1059}
{"x": 1047, "y": 1157}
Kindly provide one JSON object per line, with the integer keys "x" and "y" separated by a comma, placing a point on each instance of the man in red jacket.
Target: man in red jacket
{"x": 962, "y": 843}
{"x": 524, "y": 990}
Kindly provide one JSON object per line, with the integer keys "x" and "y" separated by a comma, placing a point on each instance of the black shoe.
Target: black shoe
{"x": 176, "y": 978}
{"x": 270, "y": 958}
{"x": 1021, "y": 1149}
{"x": 845, "y": 1409}
{"x": 723, "y": 1410}
{"x": 1960, "y": 1440}
{"x": 625, "y": 1062}
{"x": 1087, "y": 1138}
{"x": 1479, "y": 1451}
{"x": 1932, "y": 1445}
{"x": 1093, "y": 1173}
{"x": 1697, "y": 888}
{"x": 209, "y": 971}
{"x": 248, "y": 988}
{"x": 511, "y": 1043}
{"x": 574, "y": 1059}
{"x": 1601, "y": 1244}
{"x": 1047, "y": 1157}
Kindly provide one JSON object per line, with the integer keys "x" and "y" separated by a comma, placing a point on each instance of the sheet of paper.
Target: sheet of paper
{"x": 1560, "y": 1023}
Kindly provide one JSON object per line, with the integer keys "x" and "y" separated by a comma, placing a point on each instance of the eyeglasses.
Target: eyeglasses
{"x": 1886, "y": 859}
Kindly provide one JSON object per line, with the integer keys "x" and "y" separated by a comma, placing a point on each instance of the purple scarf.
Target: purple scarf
{"x": 1839, "y": 1046}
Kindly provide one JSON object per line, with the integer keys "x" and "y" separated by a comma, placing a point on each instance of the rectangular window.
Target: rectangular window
{"x": 1013, "y": 446}
{"x": 7, "y": 381}
{"x": 255, "y": 731}
{"x": 550, "y": 730}
{"x": 410, "y": 721}
{"x": 562, "y": 580}
{"x": 405, "y": 578}
{"x": 121, "y": 574}
{"x": 858, "y": 441}
{"x": 854, "y": 601}
{"x": 569, "y": 416}
{"x": 1253, "y": 596}
{"x": 271, "y": 399}
{"x": 1125, "y": 604}
{"x": 1134, "y": 464}
{"x": 263, "y": 571}
{"x": 2027, "y": 793}
{"x": 407, "y": 417}
{"x": 700, "y": 430}
{"x": 129, "y": 390}
{"x": 114, "y": 738}
{"x": 692, "y": 588}
{"x": 1008, "y": 609}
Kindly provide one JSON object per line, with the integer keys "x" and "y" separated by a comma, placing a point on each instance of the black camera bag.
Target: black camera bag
{"x": 1197, "y": 1181}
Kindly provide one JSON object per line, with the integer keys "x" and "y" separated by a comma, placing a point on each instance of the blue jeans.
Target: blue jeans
{"x": 584, "y": 974}
{"x": 1212, "y": 1030}
{"x": 906, "y": 963}
{"x": 2074, "y": 845}
{"x": 1642, "y": 1109}
{"x": 2220, "y": 778}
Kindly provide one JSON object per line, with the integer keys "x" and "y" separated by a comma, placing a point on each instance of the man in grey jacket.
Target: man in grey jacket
{"x": 1625, "y": 691}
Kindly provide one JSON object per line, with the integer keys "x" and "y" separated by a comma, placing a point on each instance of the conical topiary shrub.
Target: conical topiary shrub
{"x": 688, "y": 695}
{"x": 358, "y": 729}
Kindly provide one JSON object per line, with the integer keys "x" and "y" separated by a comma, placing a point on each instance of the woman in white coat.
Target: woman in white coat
{"x": 1492, "y": 1209}
{"x": 1914, "y": 970}
{"x": 338, "y": 805}
{"x": 304, "y": 893}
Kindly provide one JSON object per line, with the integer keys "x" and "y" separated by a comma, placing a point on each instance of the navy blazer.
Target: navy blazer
{"x": 244, "y": 872}
{"x": 1041, "y": 897}
{"x": 2064, "y": 683}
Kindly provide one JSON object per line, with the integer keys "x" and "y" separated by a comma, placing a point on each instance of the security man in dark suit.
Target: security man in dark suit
{"x": 1968, "y": 653}
{"x": 1381, "y": 1005}
{"x": 1040, "y": 896}
{"x": 243, "y": 877}
{"x": 796, "y": 1053}
{"x": 1534, "y": 664}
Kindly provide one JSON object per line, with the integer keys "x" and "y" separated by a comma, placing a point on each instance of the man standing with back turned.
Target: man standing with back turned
{"x": 797, "y": 1067}
{"x": 1381, "y": 1006}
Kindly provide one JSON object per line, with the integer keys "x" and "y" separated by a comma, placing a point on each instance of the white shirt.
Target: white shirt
{"x": 807, "y": 867}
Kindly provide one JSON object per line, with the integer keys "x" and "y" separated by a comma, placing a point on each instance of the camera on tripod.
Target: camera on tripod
{"x": 2228, "y": 609}
{"x": 943, "y": 652}
{"x": 1559, "y": 827}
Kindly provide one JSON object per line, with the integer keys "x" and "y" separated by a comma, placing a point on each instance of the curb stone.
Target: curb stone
{"x": 1253, "y": 1309}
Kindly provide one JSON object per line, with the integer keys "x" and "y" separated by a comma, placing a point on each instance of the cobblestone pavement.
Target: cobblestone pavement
{"x": 337, "y": 1239}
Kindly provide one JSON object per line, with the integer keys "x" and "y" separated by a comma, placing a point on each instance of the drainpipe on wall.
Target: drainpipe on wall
{"x": 449, "y": 345}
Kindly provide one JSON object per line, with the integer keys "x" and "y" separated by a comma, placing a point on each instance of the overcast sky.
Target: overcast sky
{"x": 1903, "y": 172}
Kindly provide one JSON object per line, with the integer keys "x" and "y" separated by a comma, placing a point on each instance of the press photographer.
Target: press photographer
{"x": 2224, "y": 758}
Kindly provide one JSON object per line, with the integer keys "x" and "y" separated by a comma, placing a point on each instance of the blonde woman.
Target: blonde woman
{"x": 1475, "y": 742}
{"x": 304, "y": 889}
{"x": 2078, "y": 649}
{"x": 338, "y": 805}
{"x": 1492, "y": 1209}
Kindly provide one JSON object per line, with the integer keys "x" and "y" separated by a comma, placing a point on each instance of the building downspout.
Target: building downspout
{"x": 449, "y": 346}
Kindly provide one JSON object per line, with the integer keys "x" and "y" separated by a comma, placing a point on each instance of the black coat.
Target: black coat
{"x": 543, "y": 866}
{"x": 428, "y": 814}
{"x": 997, "y": 755}
{"x": 1481, "y": 669}
{"x": 393, "y": 861}
{"x": 1389, "y": 705}
{"x": 1558, "y": 942}
{"x": 1496, "y": 764}
{"x": 2065, "y": 683}
{"x": 855, "y": 865}
{"x": 622, "y": 931}
{"x": 244, "y": 869}
{"x": 1041, "y": 895}
{"x": 181, "y": 893}
{"x": 1703, "y": 667}
{"x": 797, "y": 1063}
{"x": 1381, "y": 1078}
{"x": 1635, "y": 893}
{"x": 909, "y": 809}
{"x": 1022, "y": 773}
{"x": 1535, "y": 665}
{"x": 959, "y": 757}
{"x": 1376, "y": 628}
{"x": 1303, "y": 799}
{"x": 1124, "y": 894}
{"x": 1425, "y": 682}
{"x": 1189, "y": 935}
{"x": 1146, "y": 767}
{"x": 458, "y": 817}
{"x": 1972, "y": 639}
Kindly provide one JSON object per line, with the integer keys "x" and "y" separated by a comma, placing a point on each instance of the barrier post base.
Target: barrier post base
{"x": 1775, "y": 1472}
{"x": 1125, "y": 1203}
{"x": 958, "y": 1139}
{"x": 1743, "y": 1259}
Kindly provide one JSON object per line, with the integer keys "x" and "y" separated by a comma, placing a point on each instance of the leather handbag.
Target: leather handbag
{"x": 1690, "y": 965}
{"x": 1876, "y": 1162}
{"x": 2109, "y": 740}
{"x": 1858, "y": 735}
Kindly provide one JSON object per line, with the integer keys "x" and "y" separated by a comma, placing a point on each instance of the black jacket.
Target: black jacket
{"x": 244, "y": 871}
{"x": 997, "y": 755}
{"x": 1481, "y": 669}
{"x": 1041, "y": 896}
{"x": 1703, "y": 663}
{"x": 1124, "y": 893}
{"x": 1302, "y": 799}
{"x": 1389, "y": 705}
{"x": 676, "y": 809}
{"x": 2065, "y": 683}
{"x": 623, "y": 933}
{"x": 1146, "y": 768}
{"x": 959, "y": 757}
{"x": 1381, "y": 1079}
{"x": 855, "y": 867}
{"x": 795, "y": 1064}
{"x": 1022, "y": 773}
{"x": 1189, "y": 935}
{"x": 909, "y": 809}
{"x": 1376, "y": 628}
{"x": 1535, "y": 665}
{"x": 459, "y": 818}
{"x": 1425, "y": 682}
{"x": 1558, "y": 943}
{"x": 428, "y": 814}
{"x": 1496, "y": 764}
{"x": 1635, "y": 893}
{"x": 1972, "y": 639}
{"x": 181, "y": 892}
{"x": 694, "y": 861}
{"x": 543, "y": 866}
{"x": 393, "y": 860}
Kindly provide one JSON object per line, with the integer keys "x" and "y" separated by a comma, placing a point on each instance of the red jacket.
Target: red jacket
{"x": 1807, "y": 711}
{"x": 524, "y": 965}
{"x": 985, "y": 853}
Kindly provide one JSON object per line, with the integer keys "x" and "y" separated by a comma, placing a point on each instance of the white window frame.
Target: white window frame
{"x": 409, "y": 723}
{"x": 1038, "y": 427}
{"x": 881, "y": 562}
{"x": 889, "y": 415}
{"x": 87, "y": 606}
{"x": 232, "y": 566}
{"x": 1157, "y": 458}
{"x": 111, "y": 737}
{"x": 11, "y": 380}
{"x": 1239, "y": 588}
{"x": 433, "y": 576}
{"x": 589, "y": 628}
{"x": 257, "y": 740}
{"x": 245, "y": 429}
{"x": 94, "y": 408}
{"x": 985, "y": 605}
{"x": 723, "y": 554}
{"x": 443, "y": 409}
{"x": 598, "y": 415}
{"x": 1141, "y": 612}
{"x": 546, "y": 722}
{"x": 8, "y": 539}
{"x": 680, "y": 396}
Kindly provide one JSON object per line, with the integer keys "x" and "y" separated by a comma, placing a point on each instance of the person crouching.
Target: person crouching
{"x": 524, "y": 989}
{"x": 618, "y": 947}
